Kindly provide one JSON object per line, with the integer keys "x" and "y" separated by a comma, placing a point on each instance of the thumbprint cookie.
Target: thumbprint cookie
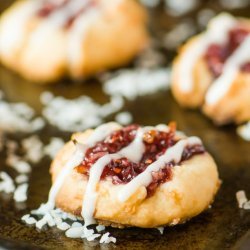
{"x": 212, "y": 71}
{"x": 133, "y": 176}
{"x": 45, "y": 40}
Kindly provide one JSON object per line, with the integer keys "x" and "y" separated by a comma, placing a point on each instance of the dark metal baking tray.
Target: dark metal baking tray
{"x": 224, "y": 226}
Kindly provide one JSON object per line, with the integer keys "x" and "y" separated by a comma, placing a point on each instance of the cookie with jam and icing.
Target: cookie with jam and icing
{"x": 46, "y": 40}
{"x": 133, "y": 176}
{"x": 212, "y": 70}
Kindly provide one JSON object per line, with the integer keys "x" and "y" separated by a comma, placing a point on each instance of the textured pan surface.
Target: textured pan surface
{"x": 222, "y": 227}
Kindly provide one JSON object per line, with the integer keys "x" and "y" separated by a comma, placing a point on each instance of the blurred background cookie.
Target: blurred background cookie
{"x": 46, "y": 40}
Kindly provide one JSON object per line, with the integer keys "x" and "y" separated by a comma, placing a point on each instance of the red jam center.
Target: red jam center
{"x": 216, "y": 55}
{"x": 122, "y": 170}
{"x": 49, "y": 7}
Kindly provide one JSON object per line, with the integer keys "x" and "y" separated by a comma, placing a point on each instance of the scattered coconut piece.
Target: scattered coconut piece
{"x": 46, "y": 97}
{"x": 246, "y": 205}
{"x": 100, "y": 228}
{"x": 18, "y": 117}
{"x": 21, "y": 178}
{"x": 241, "y": 198}
{"x": 244, "y": 131}
{"x": 107, "y": 239}
{"x": 6, "y": 184}
{"x": 63, "y": 226}
{"x": 161, "y": 229}
{"x": 20, "y": 193}
{"x": 80, "y": 113}
{"x": 33, "y": 147}
{"x": 75, "y": 232}
{"x": 22, "y": 167}
{"x": 138, "y": 82}
{"x": 53, "y": 147}
{"x": 124, "y": 118}
{"x": 28, "y": 220}
{"x": 76, "y": 224}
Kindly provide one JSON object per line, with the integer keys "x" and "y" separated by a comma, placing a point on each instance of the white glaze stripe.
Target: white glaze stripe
{"x": 217, "y": 32}
{"x": 231, "y": 68}
{"x": 133, "y": 152}
{"x": 98, "y": 134}
{"x": 145, "y": 178}
{"x": 76, "y": 38}
{"x": 90, "y": 195}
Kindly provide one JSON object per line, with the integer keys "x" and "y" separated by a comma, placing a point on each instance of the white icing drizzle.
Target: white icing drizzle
{"x": 98, "y": 134}
{"x": 216, "y": 33}
{"x": 135, "y": 150}
{"x": 145, "y": 178}
{"x": 90, "y": 195}
{"x": 76, "y": 38}
{"x": 230, "y": 70}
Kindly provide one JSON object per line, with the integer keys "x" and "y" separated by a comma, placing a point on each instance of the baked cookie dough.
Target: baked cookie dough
{"x": 133, "y": 176}
{"x": 46, "y": 40}
{"x": 212, "y": 71}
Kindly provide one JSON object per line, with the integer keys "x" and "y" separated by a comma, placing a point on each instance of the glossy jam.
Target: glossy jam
{"x": 122, "y": 170}
{"x": 216, "y": 55}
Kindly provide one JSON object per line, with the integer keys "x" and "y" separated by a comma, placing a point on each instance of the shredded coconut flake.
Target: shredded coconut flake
{"x": 22, "y": 167}
{"x": 138, "y": 82}
{"x": 75, "y": 232}
{"x": 80, "y": 113}
{"x": 21, "y": 178}
{"x": 18, "y": 117}
{"x": 246, "y": 205}
{"x": 63, "y": 226}
{"x": 124, "y": 118}
{"x": 100, "y": 228}
{"x": 28, "y": 220}
{"x": 244, "y": 131}
{"x": 53, "y": 147}
{"x": 61, "y": 220}
{"x": 20, "y": 193}
{"x": 6, "y": 183}
{"x": 76, "y": 224}
{"x": 241, "y": 198}
{"x": 33, "y": 148}
{"x": 107, "y": 239}
{"x": 161, "y": 229}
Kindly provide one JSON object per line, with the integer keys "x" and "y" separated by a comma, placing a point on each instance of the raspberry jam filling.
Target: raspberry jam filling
{"x": 49, "y": 7}
{"x": 122, "y": 171}
{"x": 216, "y": 55}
